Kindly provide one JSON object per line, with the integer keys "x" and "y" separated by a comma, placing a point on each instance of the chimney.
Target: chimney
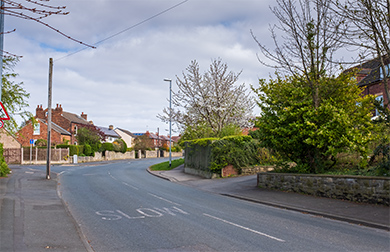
{"x": 84, "y": 116}
{"x": 58, "y": 109}
{"x": 111, "y": 127}
{"x": 39, "y": 112}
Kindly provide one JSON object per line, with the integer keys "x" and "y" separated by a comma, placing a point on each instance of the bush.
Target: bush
{"x": 120, "y": 145}
{"x": 73, "y": 150}
{"x": 88, "y": 150}
{"x": 239, "y": 151}
{"x": 382, "y": 155}
{"x": 41, "y": 143}
{"x": 62, "y": 146}
{"x": 4, "y": 170}
{"x": 106, "y": 147}
{"x": 176, "y": 148}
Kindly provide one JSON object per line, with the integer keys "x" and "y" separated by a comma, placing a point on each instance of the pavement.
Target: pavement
{"x": 33, "y": 216}
{"x": 245, "y": 188}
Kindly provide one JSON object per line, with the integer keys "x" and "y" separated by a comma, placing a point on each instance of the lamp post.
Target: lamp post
{"x": 170, "y": 121}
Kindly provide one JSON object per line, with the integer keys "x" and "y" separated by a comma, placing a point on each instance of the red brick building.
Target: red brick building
{"x": 39, "y": 131}
{"x": 64, "y": 126}
{"x": 370, "y": 77}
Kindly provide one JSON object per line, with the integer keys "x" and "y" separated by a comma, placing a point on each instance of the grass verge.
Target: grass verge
{"x": 165, "y": 165}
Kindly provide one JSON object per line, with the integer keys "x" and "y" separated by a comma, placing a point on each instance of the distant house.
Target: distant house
{"x": 9, "y": 141}
{"x": 370, "y": 76}
{"x": 110, "y": 134}
{"x": 64, "y": 126}
{"x": 68, "y": 121}
{"x": 39, "y": 131}
{"x": 153, "y": 140}
{"x": 126, "y": 136}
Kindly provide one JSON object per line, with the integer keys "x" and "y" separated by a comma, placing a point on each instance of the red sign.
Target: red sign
{"x": 3, "y": 115}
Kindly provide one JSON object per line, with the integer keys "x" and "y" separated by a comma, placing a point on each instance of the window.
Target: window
{"x": 75, "y": 130}
{"x": 387, "y": 68}
{"x": 37, "y": 129}
{"x": 380, "y": 99}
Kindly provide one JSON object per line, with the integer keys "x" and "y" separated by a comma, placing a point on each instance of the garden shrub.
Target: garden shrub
{"x": 41, "y": 143}
{"x": 120, "y": 145}
{"x": 4, "y": 170}
{"x": 88, "y": 150}
{"x": 62, "y": 146}
{"x": 382, "y": 155}
{"x": 106, "y": 146}
{"x": 73, "y": 150}
{"x": 239, "y": 151}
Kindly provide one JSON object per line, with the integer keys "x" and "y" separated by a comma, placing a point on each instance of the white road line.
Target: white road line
{"x": 245, "y": 228}
{"x": 158, "y": 197}
{"x": 126, "y": 184}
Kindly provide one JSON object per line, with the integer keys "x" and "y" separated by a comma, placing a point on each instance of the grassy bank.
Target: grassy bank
{"x": 165, "y": 165}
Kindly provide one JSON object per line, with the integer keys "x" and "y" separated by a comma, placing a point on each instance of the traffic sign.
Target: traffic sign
{"x": 3, "y": 115}
{"x": 31, "y": 141}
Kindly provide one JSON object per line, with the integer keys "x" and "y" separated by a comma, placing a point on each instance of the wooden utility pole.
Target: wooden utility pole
{"x": 49, "y": 120}
{"x": 1, "y": 43}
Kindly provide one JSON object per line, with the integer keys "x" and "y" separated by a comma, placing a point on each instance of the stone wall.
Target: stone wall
{"x": 375, "y": 190}
{"x": 112, "y": 155}
{"x": 256, "y": 169}
{"x": 98, "y": 157}
{"x": 152, "y": 154}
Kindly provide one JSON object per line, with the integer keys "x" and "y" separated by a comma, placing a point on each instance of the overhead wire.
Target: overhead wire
{"x": 125, "y": 30}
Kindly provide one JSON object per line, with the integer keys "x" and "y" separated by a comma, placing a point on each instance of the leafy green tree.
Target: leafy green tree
{"x": 14, "y": 96}
{"x": 90, "y": 135}
{"x": 312, "y": 135}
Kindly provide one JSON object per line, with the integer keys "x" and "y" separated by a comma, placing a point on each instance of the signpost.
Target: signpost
{"x": 3, "y": 115}
{"x": 31, "y": 144}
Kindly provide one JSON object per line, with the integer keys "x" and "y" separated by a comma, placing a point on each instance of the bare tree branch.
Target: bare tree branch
{"x": 36, "y": 11}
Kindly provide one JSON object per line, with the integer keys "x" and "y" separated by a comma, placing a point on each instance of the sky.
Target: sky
{"x": 121, "y": 82}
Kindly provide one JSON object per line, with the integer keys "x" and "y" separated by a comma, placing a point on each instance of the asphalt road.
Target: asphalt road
{"x": 121, "y": 207}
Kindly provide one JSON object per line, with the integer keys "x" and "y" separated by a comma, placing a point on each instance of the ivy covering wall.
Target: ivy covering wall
{"x": 213, "y": 154}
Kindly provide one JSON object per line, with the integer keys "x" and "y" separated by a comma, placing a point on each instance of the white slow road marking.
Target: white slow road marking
{"x": 245, "y": 228}
{"x": 158, "y": 197}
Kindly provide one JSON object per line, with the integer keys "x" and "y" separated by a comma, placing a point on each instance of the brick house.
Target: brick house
{"x": 39, "y": 131}
{"x": 370, "y": 77}
{"x": 67, "y": 121}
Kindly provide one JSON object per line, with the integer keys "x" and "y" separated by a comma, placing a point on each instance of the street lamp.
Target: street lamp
{"x": 170, "y": 121}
